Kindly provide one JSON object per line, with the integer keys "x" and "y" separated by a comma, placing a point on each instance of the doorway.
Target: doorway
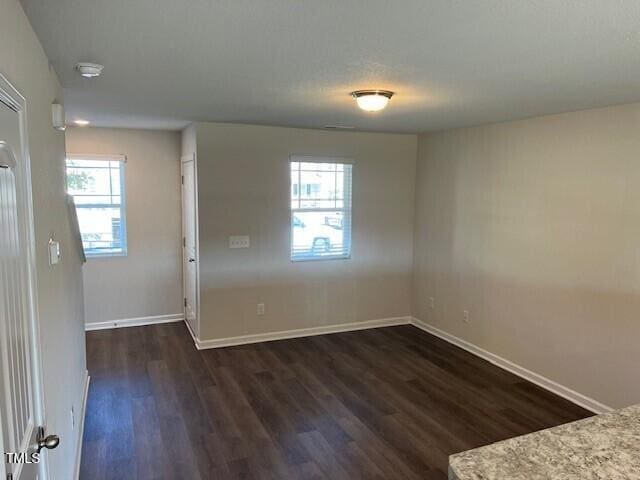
{"x": 21, "y": 401}
{"x": 190, "y": 244}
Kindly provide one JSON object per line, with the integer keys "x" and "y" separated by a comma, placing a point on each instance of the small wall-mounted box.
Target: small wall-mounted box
{"x": 239, "y": 241}
{"x": 54, "y": 252}
{"x": 57, "y": 117}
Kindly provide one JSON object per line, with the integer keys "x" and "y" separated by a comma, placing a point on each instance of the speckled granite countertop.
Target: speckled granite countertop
{"x": 604, "y": 447}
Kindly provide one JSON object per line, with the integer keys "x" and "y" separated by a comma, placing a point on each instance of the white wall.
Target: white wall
{"x": 148, "y": 280}
{"x": 243, "y": 184}
{"x": 24, "y": 64}
{"x": 534, "y": 227}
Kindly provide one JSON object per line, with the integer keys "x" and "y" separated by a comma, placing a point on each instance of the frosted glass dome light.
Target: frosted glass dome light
{"x": 89, "y": 70}
{"x": 372, "y": 100}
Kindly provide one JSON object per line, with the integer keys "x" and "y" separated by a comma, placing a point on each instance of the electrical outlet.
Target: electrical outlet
{"x": 260, "y": 309}
{"x": 432, "y": 302}
{"x": 239, "y": 241}
{"x": 465, "y": 316}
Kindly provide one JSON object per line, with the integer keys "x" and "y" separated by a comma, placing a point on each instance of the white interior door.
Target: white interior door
{"x": 190, "y": 252}
{"x": 19, "y": 388}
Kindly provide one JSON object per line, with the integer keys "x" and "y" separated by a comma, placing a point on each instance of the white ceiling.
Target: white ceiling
{"x": 293, "y": 62}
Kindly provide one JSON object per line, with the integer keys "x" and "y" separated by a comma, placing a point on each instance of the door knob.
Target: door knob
{"x": 191, "y": 260}
{"x": 48, "y": 442}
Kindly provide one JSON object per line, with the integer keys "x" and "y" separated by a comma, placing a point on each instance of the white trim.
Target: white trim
{"x": 83, "y": 413}
{"x": 541, "y": 381}
{"x": 300, "y": 255}
{"x": 193, "y": 335}
{"x": 301, "y": 332}
{"x": 114, "y": 157}
{"x": 196, "y": 231}
{"x": 310, "y": 158}
{"x": 188, "y": 158}
{"x": 134, "y": 322}
{"x": 97, "y": 252}
{"x": 14, "y": 100}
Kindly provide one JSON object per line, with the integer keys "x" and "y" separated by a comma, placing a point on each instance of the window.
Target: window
{"x": 97, "y": 186}
{"x": 320, "y": 209}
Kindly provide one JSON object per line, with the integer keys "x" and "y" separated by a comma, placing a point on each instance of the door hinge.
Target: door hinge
{"x": 184, "y": 241}
{"x": 182, "y": 180}
{"x": 185, "y": 302}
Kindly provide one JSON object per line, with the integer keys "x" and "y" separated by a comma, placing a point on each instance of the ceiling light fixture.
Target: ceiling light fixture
{"x": 81, "y": 123}
{"x": 372, "y": 100}
{"x": 89, "y": 70}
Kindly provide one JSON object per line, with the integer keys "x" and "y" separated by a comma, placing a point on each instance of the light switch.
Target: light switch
{"x": 239, "y": 241}
{"x": 54, "y": 252}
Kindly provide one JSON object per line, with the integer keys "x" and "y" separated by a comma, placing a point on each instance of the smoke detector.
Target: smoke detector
{"x": 89, "y": 70}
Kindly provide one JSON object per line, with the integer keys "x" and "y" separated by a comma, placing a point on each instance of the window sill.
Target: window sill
{"x": 320, "y": 259}
{"x": 105, "y": 255}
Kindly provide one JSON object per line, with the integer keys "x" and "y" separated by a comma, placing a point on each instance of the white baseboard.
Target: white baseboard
{"x": 192, "y": 333}
{"x": 83, "y": 414}
{"x": 134, "y": 322}
{"x": 541, "y": 381}
{"x": 301, "y": 332}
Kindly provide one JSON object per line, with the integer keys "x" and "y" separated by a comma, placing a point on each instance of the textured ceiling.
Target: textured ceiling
{"x": 293, "y": 62}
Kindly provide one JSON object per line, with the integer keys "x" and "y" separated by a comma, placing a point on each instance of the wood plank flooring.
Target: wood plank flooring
{"x": 388, "y": 403}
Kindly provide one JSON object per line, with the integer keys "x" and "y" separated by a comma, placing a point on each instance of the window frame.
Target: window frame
{"x": 122, "y": 159}
{"x": 346, "y": 210}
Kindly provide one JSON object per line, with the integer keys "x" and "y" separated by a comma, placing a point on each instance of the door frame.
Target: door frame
{"x": 183, "y": 160}
{"x": 11, "y": 97}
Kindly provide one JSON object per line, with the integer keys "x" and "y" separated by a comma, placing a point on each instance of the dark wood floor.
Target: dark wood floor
{"x": 389, "y": 403}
